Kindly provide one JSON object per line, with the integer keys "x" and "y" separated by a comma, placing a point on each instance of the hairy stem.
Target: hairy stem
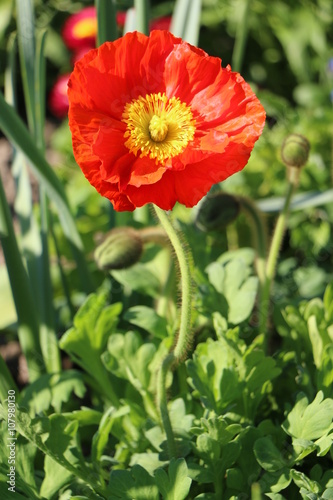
{"x": 183, "y": 339}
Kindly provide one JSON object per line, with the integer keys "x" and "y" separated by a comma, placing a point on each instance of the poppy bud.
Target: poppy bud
{"x": 121, "y": 249}
{"x": 217, "y": 211}
{"x": 295, "y": 150}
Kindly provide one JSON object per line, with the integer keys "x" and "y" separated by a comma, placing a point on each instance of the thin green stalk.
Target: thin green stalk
{"x": 162, "y": 402}
{"x": 142, "y": 9}
{"x": 260, "y": 236}
{"x": 184, "y": 338}
{"x": 272, "y": 261}
{"x": 240, "y": 39}
{"x": 48, "y": 337}
{"x": 62, "y": 273}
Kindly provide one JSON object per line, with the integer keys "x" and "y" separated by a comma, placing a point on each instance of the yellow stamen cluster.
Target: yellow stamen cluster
{"x": 157, "y": 126}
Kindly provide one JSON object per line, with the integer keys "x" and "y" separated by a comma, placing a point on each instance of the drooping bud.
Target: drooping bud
{"x": 295, "y": 150}
{"x": 217, "y": 211}
{"x": 121, "y": 249}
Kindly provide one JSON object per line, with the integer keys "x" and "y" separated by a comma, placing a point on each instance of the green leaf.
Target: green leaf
{"x": 55, "y": 478}
{"x": 208, "y": 448}
{"x": 219, "y": 429}
{"x": 57, "y": 437}
{"x": 275, "y": 482}
{"x": 328, "y": 494}
{"x": 224, "y": 376}
{"x": 260, "y": 370}
{"x": 181, "y": 421}
{"x": 148, "y": 319}
{"x": 129, "y": 358}
{"x": 101, "y": 437}
{"x": 328, "y": 303}
{"x": 268, "y": 455}
{"x": 325, "y": 374}
{"x": 309, "y": 421}
{"x": 302, "y": 448}
{"x": 52, "y": 390}
{"x": 302, "y": 481}
{"x": 136, "y": 484}
{"x": 174, "y": 484}
{"x": 139, "y": 278}
{"x": 26, "y": 39}
{"x": 86, "y": 340}
{"x": 317, "y": 340}
{"x": 231, "y": 277}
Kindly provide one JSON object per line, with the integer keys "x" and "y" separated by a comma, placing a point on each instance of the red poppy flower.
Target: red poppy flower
{"x": 156, "y": 120}
{"x": 58, "y": 99}
{"x": 80, "y": 29}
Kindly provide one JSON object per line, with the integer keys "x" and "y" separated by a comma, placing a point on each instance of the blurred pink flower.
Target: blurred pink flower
{"x": 58, "y": 100}
{"x": 80, "y": 29}
{"x": 161, "y": 23}
{"x": 121, "y": 18}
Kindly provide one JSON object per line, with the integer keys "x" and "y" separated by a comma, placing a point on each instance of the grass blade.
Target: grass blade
{"x": 192, "y": 27}
{"x": 185, "y": 21}
{"x": 17, "y": 133}
{"x": 40, "y": 89}
{"x": 299, "y": 201}
{"x": 130, "y": 21}
{"x": 142, "y": 10}
{"x": 48, "y": 337}
{"x": 26, "y": 41}
{"x": 241, "y": 37}
{"x": 28, "y": 329}
{"x": 106, "y": 21}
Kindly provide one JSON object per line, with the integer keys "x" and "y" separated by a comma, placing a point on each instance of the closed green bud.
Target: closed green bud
{"x": 121, "y": 249}
{"x": 217, "y": 211}
{"x": 295, "y": 150}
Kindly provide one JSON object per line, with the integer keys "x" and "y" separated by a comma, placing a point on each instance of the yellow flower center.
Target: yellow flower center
{"x": 157, "y": 126}
{"x": 85, "y": 27}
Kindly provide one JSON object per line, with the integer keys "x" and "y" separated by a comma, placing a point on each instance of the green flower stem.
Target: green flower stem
{"x": 162, "y": 402}
{"x": 240, "y": 39}
{"x": 183, "y": 341}
{"x": 185, "y": 315}
{"x": 260, "y": 233}
{"x": 272, "y": 261}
